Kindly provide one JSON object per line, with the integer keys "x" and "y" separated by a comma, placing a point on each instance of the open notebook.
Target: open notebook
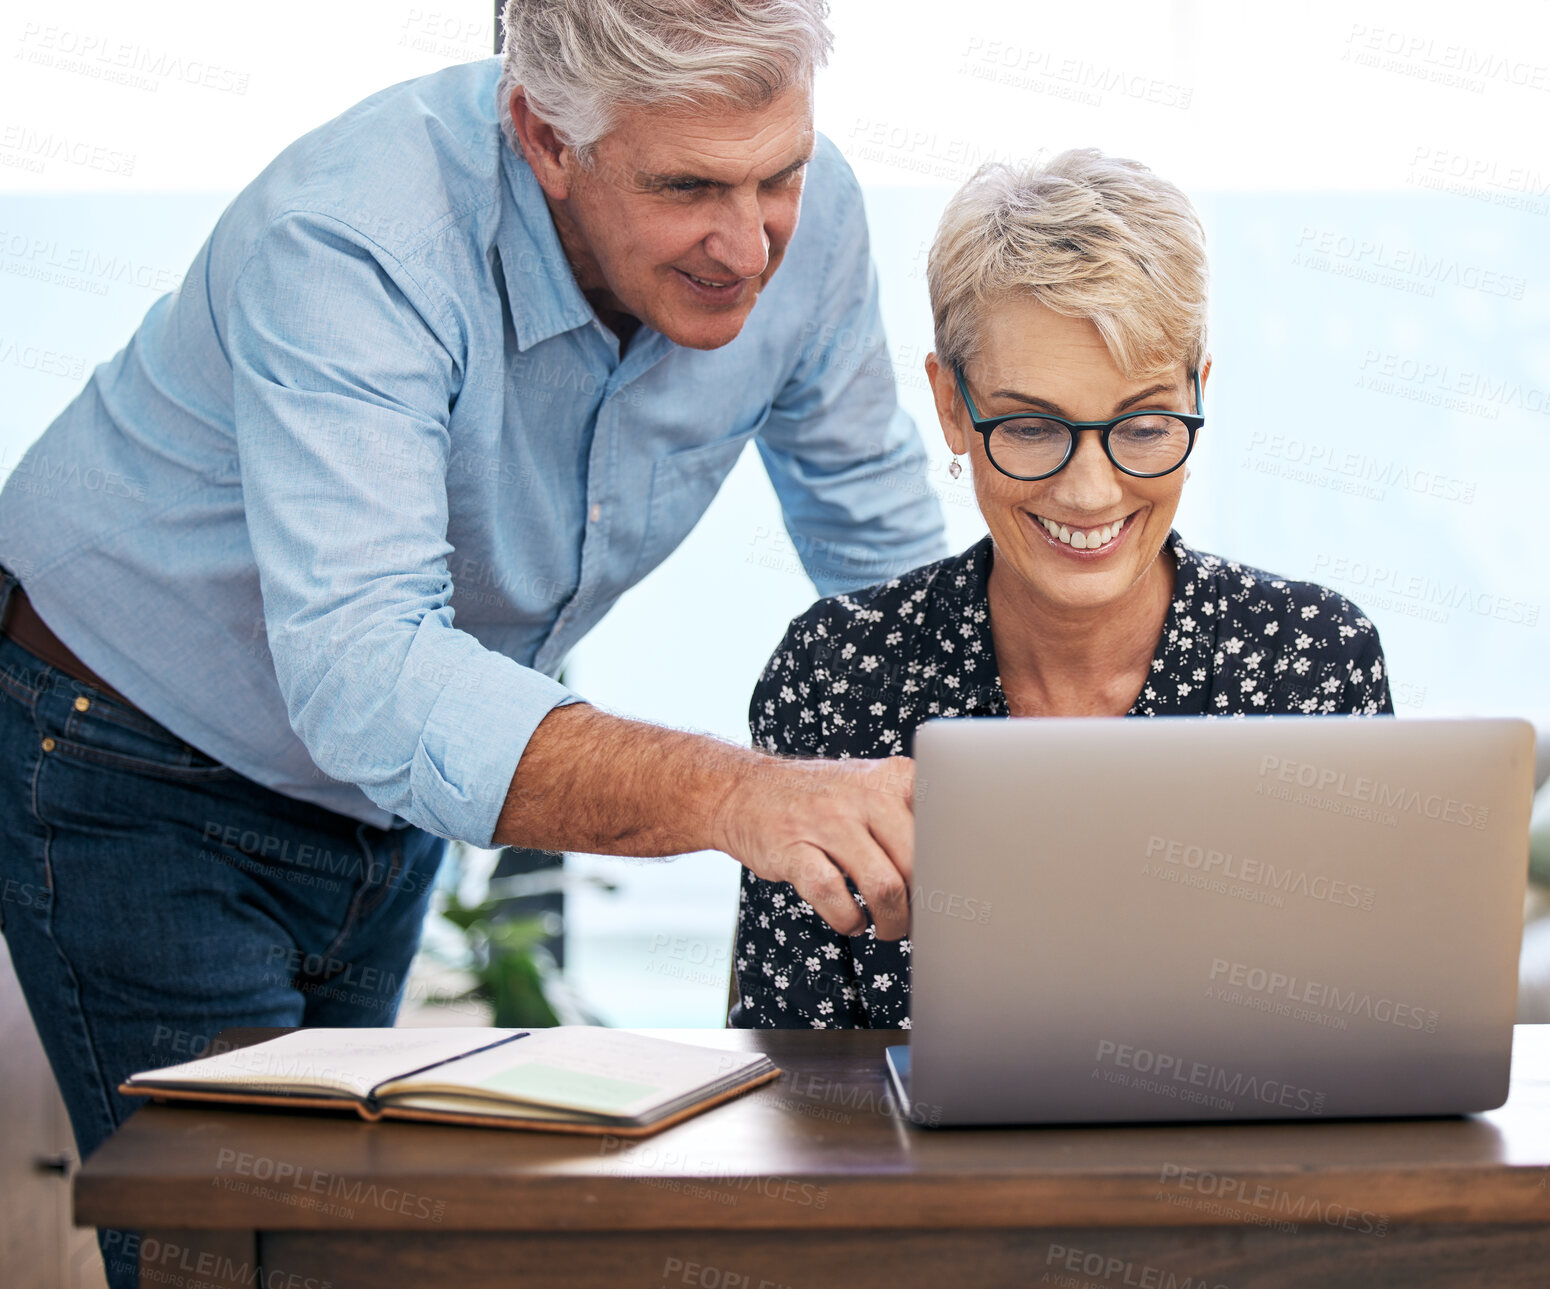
{"x": 571, "y": 1079}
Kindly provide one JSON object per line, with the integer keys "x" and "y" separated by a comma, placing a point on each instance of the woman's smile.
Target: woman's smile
{"x": 1086, "y": 542}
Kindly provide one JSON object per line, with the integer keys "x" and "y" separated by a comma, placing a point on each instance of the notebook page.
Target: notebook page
{"x": 593, "y": 1070}
{"x": 351, "y": 1061}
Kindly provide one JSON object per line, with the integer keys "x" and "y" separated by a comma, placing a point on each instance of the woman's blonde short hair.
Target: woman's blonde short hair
{"x": 1086, "y": 235}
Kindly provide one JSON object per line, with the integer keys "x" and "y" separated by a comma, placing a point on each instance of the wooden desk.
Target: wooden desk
{"x": 814, "y": 1181}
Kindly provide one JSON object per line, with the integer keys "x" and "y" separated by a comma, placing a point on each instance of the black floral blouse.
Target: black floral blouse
{"x": 857, "y": 673}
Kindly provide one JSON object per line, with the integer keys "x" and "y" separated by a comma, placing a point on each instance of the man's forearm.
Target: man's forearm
{"x": 605, "y": 785}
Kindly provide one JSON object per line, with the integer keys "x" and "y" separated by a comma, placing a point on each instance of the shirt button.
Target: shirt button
{"x": 595, "y": 513}
{"x": 48, "y": 745}
{"x": 81, "y": 704}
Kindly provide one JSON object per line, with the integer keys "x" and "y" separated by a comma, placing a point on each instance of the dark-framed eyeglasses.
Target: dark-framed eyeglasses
{"x": 1145, "y": 444}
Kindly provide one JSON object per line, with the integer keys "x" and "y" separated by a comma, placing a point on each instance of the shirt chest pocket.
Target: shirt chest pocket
{"x": 683, "y": 484}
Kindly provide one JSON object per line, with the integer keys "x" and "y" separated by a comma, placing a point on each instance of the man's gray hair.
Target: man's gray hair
{"x": 580, "y": 61}
{"x": 1087, "y": 235}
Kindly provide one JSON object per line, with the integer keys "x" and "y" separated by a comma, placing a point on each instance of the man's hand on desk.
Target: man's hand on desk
{"x": 601, "y": 784}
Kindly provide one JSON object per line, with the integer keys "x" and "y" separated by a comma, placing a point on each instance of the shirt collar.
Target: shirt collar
{"x": 540, "y": 286}
{"x": 959, "y": 616}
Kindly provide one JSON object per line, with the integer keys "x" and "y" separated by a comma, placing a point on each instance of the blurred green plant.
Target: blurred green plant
{"x": 515, "y": 972}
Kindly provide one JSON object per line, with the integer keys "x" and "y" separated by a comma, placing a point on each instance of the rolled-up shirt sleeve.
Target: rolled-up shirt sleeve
{"x": 342, "y": 436}
{"x": 846, "y": 461}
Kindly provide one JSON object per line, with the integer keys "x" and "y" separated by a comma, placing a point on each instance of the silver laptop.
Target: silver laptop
{"x": 1181, "y": 918}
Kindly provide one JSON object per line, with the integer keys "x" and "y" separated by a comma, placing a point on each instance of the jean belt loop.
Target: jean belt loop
{"x": 8, "y": 582}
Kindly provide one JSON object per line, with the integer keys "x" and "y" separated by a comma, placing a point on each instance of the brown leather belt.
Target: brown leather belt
{"x": 22, "y": 623}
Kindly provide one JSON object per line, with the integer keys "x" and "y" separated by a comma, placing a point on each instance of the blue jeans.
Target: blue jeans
{"x": 151, "y": 897}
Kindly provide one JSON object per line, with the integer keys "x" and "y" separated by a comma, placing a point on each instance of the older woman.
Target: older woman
{"x": 1069, "y": 302}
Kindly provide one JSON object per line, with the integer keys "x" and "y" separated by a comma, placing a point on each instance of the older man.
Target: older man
{"x": 455, "y": 371}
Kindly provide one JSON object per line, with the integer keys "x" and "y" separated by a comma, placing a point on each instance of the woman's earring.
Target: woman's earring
{"x": 954, "y": 470}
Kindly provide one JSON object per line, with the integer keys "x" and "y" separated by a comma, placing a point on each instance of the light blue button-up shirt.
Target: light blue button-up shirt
{"x": 340, "y": 508}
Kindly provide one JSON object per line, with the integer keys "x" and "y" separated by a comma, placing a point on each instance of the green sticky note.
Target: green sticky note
{"x": 551, "y": 1085}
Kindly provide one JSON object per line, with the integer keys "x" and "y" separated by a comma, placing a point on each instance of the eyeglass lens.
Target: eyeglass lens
{"x": 1032, "y": 445}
